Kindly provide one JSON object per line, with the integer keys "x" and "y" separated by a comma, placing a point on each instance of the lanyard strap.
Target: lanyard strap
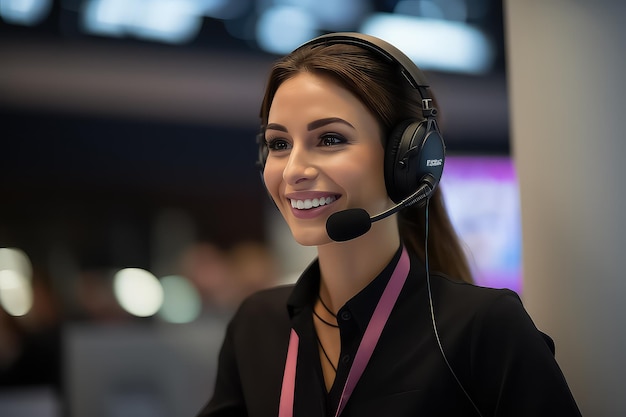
{"x": 289, "y": 378}
{"x": 366, "y": 347}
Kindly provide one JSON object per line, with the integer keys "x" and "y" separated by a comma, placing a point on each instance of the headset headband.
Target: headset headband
{"x": 409, "y": 70}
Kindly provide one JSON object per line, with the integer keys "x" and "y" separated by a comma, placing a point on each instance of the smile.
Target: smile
{"x": 310, "y": 203}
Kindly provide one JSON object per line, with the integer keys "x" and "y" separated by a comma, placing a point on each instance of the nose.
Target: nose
{"x": 300, "y": 166}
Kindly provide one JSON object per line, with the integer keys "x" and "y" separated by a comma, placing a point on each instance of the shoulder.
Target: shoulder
{"x": 262, "y": 310}
{"x": 267, "y": 300}
{"x": 473, "y": 298}
{"x": 490, "y": 313}
{"x": 463, "y": 306}
{"x": 475, "y": 307}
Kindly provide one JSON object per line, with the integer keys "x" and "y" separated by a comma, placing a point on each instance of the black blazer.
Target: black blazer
{"x": 503, "y": 363}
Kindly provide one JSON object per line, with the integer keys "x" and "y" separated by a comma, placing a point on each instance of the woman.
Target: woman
{"x": 386, "y": 321}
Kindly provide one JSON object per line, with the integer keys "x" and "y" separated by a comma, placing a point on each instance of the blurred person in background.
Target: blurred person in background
{"x": 254, "y": 267}
{"x": 207, "y": 266}
{"x": 224, "y": 277}
{"x": 386, "y": 321}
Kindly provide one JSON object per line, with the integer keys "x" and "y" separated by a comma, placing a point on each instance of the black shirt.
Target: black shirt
{"x": 504, "y": 365}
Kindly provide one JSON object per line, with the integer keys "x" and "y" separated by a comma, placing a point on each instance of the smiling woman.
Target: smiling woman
{"x": 350, "y": 124}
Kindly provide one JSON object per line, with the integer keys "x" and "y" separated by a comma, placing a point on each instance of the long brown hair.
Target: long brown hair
{"x": 391, "y": 100}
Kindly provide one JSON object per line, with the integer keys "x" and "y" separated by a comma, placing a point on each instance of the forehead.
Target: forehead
{"x": 308, "y": 95}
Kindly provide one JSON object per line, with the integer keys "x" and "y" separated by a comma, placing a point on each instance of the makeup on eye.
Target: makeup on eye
{"x": 332, "y": 139}
{"x": 276, "y": 144}
{"x": 326, "y": 140}
{"x": 327, "y": 137}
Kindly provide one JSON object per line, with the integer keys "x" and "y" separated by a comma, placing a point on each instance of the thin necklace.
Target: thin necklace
{"x": 325, "y": 306}
{"x": 319, "y": 342}
{"x": 336, "y": 326}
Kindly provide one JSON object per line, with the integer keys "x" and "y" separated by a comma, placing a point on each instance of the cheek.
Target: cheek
{"x": 363, "y": 184}
{"x": 272, "y": 177}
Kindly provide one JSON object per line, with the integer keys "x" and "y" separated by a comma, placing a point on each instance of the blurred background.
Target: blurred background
{"x": 132, "y": 218}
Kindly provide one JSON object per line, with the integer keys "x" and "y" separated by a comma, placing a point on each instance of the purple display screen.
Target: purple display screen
{"x": 482, "y": 197}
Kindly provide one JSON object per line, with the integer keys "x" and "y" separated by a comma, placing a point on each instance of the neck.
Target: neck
{"x": 348, "y": 267}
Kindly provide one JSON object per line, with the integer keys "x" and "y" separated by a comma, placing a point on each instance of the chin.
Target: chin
{"x": 310, "y": 237}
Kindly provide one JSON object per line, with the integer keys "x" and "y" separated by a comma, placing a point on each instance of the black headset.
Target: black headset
{"x": 415, "y": 150}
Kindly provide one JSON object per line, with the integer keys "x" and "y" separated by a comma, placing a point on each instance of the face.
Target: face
{"x": 325, "y": 155}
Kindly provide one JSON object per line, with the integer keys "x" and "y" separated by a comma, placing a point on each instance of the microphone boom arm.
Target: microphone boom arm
{"x": 422, "y": 192}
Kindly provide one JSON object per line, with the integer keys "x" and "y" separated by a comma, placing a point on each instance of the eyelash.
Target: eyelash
{"x": 272, "y": 144}
{"x": 338, "y": 139}
{"x": 279, "y": 144}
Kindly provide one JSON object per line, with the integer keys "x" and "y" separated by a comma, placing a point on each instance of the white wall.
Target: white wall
{"x": 567, "y": 90}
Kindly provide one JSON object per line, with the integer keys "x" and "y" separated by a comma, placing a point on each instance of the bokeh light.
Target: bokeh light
{"x": 452, "y": 46}
{"x": 16, "y": 260}
{"x": 181, "y": 301}
{"x": 138, "y": 291}
{"x": 283, "y": 28}
{"x": 16, "y": 292}
{"x": 158, "y": 20}
{"x": 25, "y": 12}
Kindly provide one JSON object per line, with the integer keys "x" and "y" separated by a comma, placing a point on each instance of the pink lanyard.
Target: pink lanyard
{"x": 366, "y": 347}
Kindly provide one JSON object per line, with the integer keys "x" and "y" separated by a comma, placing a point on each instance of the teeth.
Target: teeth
{"x": 311, "y": 203}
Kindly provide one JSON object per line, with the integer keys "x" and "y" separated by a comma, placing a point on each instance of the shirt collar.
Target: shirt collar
{"x": 361, "y": 306}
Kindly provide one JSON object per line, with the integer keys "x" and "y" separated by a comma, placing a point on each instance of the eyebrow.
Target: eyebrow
{"x": 323, "y": 122}
{"x": 311, "y": 126}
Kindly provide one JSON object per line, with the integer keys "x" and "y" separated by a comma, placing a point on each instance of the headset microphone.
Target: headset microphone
{"x": 351, "y": 223}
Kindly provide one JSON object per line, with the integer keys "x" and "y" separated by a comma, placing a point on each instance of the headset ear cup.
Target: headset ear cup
{"x": 398, "y": 181}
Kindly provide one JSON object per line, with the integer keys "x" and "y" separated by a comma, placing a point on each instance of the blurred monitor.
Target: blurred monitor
{"x": 27, "y": 402}
{"x": 139, "y": 370}
{"x": 482, "y": 197}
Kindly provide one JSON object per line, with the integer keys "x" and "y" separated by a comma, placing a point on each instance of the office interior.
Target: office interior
{"x": 133, "y": 220}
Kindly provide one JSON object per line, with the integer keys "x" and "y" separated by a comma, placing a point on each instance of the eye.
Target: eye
{"x": 332, "y": 139}
{"x": 277, "y": 144}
